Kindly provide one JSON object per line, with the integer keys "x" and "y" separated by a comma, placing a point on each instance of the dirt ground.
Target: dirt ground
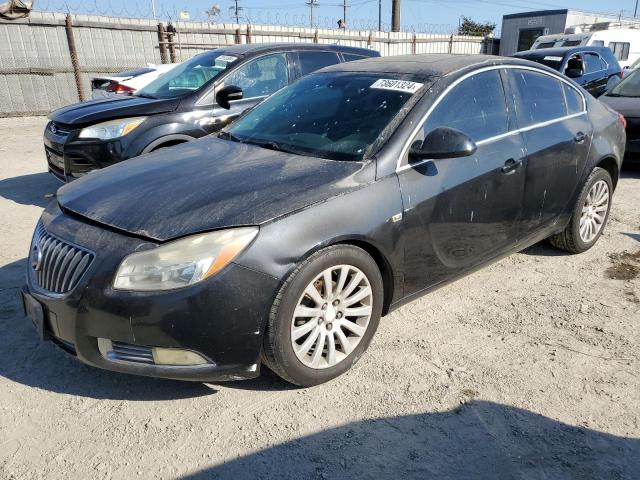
{"x": 528, "y": 369}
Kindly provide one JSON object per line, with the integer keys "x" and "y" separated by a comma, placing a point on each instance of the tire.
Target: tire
{"x": 570, "y": 239}
{"x": 329, "y": 316}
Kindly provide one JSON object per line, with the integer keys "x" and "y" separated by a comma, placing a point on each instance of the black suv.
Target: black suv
{"x": 595, "y": 69}
{"x": 181, "y": 105}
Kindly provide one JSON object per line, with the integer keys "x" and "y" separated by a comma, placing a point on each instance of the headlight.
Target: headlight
{"x": 182, "y": 262}
{"x": 112, "y": 128}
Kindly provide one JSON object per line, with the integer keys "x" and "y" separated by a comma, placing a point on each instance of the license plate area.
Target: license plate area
{"x": 35, "y": 312}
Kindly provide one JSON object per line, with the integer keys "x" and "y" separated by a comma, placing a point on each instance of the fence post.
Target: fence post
{"x": 451, "y": 43}
{"x": 315, "y": 37}
{"x": 163, "y": 46}
{"x": 171, "y": 33}
{"x": 249, "y": 39}
{"x": 238, "y": 39}
{"x": 73, "y": 53}
{"x": 413, "y": 44}
{"x": 370, "y": 39}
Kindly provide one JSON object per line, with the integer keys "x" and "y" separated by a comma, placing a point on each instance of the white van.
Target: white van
{"x": 624, "y": 42}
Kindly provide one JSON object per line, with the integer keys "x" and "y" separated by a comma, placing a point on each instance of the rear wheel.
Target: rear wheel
{"x": 325, "y": 316}
{"x": 590, "y": 214}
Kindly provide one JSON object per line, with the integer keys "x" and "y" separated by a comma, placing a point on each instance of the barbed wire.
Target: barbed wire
{"x": 138, "y": 9}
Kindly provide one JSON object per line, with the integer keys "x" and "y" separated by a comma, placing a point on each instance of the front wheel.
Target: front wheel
{"x": 324, "y": 316}
{"x": 590, "y": 214}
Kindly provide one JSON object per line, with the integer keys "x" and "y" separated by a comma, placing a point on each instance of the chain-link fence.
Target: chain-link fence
{"x": 48, "y": 59}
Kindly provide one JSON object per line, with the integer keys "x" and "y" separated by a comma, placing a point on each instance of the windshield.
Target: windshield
{"x": 629, "y": 87}
{"x": 332, "y": 115}
{"x": 188, "y": 76}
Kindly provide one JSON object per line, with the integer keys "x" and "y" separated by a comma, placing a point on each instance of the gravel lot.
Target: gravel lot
{"x": 528, "y": 369}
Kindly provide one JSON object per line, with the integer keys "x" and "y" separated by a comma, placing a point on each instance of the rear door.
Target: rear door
{"x": 595, "y": 73}
{"x": 461, "y": 212}
{"x": 551, "y": 115}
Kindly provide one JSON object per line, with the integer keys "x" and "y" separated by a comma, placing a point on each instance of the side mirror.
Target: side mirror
{"x": 227, "y": 94}
{"x": 443, "y": 142}
{"x": 574, "y": 72}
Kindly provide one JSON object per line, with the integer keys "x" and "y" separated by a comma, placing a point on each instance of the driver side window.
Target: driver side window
{"x": 262, "y": 76}
{"x": 476, "y": 106}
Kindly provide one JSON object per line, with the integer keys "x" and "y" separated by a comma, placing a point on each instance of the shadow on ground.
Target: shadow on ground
{"x": 480, "y": 440}
{"x": 30, "y": 189}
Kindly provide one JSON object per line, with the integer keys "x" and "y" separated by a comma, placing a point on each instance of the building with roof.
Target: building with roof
{"x": 520, "y": 30}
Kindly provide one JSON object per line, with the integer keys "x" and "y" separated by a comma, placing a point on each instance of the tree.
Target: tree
{"x": 475, "y": 29}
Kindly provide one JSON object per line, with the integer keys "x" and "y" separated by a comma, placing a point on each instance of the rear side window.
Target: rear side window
{"x": 593, "y": 62}
{"x": 620, "y": 49}
{"x": 573, "y": 98}
{"x": 476, "y": 106}
{"x": 349, "y": 57}
{"x": 545, "y": 45}
{"x": 312, "y": 61}
{"x": 538, "y": 97}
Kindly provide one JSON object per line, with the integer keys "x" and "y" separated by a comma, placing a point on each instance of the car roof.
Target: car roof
{"x": 561, "y": 51}
{"x": 426, "y": 65}
{"x": 253, "y": 48}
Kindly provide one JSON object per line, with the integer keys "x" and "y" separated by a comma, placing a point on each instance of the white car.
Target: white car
{"x": 127, "y": 82}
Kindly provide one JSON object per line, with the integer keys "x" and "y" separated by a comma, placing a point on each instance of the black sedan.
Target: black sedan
{"x": 625, "y": 99}
{"x": 180, "y": 105}
{"x": 284, "y": 240}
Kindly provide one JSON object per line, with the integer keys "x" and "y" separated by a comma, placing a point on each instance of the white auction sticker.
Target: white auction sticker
{"x": 226, "y": 58}
{"x": 552, "y": 58}
{"x": 398, "y": 85}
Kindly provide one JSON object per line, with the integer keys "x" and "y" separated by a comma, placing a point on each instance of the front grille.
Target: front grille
{"x": 57, "y": 265}
{"x": 130, "y": 353}
{"x": 58, "y": 129}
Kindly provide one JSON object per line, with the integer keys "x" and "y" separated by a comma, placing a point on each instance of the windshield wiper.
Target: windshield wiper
{"x": 229, "y": 136}
{"x": 270, "y": 145}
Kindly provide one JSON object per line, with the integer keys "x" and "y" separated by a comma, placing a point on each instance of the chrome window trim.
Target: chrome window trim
{"x": 401, "y": 166}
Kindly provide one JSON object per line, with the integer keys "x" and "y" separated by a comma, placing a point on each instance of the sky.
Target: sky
{"x": 418, "y": 15}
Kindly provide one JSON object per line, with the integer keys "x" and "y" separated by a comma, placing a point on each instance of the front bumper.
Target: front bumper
{"x": 222, "y": 318}
{"x": 69, "y": 158}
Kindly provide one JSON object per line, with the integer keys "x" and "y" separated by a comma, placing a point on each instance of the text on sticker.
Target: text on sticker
{"x": 226, "y": 58}
{"x": 398, "y": 85}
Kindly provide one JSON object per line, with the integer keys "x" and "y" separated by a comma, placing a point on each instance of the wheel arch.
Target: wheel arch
{"x": 171, "y": 140}
{"x": 610, "y": 165}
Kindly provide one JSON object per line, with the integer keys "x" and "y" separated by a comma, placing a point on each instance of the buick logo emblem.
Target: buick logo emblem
{"x": 53, "y": 128}
{"x": 36, "y": 258}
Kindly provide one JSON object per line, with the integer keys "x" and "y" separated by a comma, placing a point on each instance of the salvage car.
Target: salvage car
{"x": 625, "y": 99}
{"x": 284, "y": 239}
{"x": 127, "y": 82}
{"x": 180, "y": 105}
{"x": 596, "y": 69}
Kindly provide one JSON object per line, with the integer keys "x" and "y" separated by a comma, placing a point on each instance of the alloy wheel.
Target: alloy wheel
{"x": 331, "y": 316}
{"x": 594, "y": 211}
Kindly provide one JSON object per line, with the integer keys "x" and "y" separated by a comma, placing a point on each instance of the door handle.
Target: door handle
{"x": 511, "y": 166}
{"x": 579, "y": 138}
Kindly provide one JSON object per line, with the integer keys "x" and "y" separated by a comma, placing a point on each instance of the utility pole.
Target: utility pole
{"x": 155, "y": 16}
{"x": 344, "y": 12}
{"x": 312, "y": 4}
{"x": 379, "y": 15}
{"x": 635, "y": 11}
{"x": 237, "y": 11}
{"x": 395, "y": 16}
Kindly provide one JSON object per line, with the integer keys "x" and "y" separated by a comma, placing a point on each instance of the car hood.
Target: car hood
{"x": 94, "y": 111}
{"x": 205, "y": 185}
{"x": 627, "y": 106}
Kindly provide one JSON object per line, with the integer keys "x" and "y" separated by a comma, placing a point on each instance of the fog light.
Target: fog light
{"x": 176, "y": 356}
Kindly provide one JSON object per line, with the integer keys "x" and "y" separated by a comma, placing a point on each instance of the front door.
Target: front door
{"x": 461, "y": 212}
{"x": 557, "y": 134}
